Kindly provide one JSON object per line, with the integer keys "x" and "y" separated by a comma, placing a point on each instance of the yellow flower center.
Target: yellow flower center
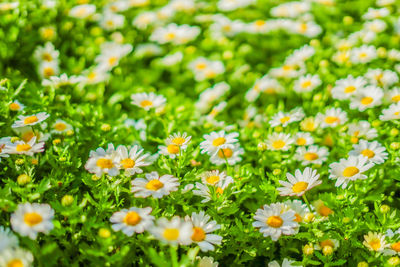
{"x": 201, "y": 66}
{"x": 331, "y": 119}
{"x": 278, "y": 144}
{"x": 396, "y": 98}
{"x": 170, "y": 36}
{"x": 212, "y": 179}
{"x": 15, "y": 263}
{"x": 112, "y": 61}
{"x": 48, "y": 71}
{"x": 303, "y": 27}
{"x": 349, "y": 89}
{"x": 92, "y": 75}
{"x": 171, "y": 234}
{"x": 375, "y": 244}
{"x": 225, "y": 153}
{"x": 31, "y": 119}
{"x": 324, "y": 211}
{"x": 305, "y": 84}
{"x": 60, "y": 126}
{"x": 297, "y": 218}
{"x": 301, "y": 141}
{"x": 173, "y": 149}
{"x": 310, "y": 156}
{"x": 32, "y": 218}
{"x": 27, "y": 136}
{"x": 287, "y": 67}
{"x": 367, "y": 100}
{"x": 218, "y": 141}
{"x": 395, "y": 246}
{"x": 325, "y": 243}
{"x": 397, "y": 113}
{"x": 259, "y": 23}
{"x": 128, "y": 163}
{"x": 275, "y": 221}
{"x": 154, "y": 185}
{"x": 350, "y": 171}
{"x": 284, "y": 119}
{"x": 104, "y": 163}
{"x": 14, "y": 106}
{"x": 198, "y": 234}
{"x": 178, "y": 140}
{"x": 299, "y": 187}
{"x": 132, "y": 218}
{"x": 220, "y": 191}
{"x": 368, "y": 153}
{"x": 47, "y": 57}
{"x": 23, "y": 147}
{"x": 362, "y": 55}
{"x": 146, "y": 103}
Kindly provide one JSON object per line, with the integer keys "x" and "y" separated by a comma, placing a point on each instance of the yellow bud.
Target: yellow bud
{"x": 276, "y": 171}
{"x": 62, "y": 159}
{"x": 104, "y": 233}
{"x": 262, "y": 146}
{"x": 317, "y": 97}
{"x": 227, "y": 55}
{"x": 308, "y": 249}
{"x": 384, "y": 209}
{"x": 381, "y": 51}
{"x": 394, "y": 132}
{"x": 309, "y": 217}
{"x": 346, "y": 220}
{"x": 314, "y": 42}
{"x": 395, "y": 145}
{"x": 327, "y": 250}
{"x": 67, "y": 200}
{"x": 105, "y": 127}
{"x": 23, "y": 179}
{"x": 376, "y": 123}
{"x": 56, "y": 141}
{"x": 95, "y": 178}
{"x": 256, "y": 134}
{"x": 394, "y": 261}
{"x": 278, "y": 129}
{"x": 70, "y": 132}
{"x": 362, "y": 264}
{"x": 324, "y": 63}
{"x": 190, "y": 49}
{"x": 20, "y": 161}
{"x": 347, "y": 20}
{"x": 34, "y": 161}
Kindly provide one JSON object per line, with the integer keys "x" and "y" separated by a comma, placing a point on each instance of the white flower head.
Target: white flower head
{"x": 132, "y": 220}
{"x": 154, "y": 185}
{"x": 299, "y": 184}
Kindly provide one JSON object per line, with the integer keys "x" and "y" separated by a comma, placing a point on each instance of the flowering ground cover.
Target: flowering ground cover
{"x": 199, "y": 133}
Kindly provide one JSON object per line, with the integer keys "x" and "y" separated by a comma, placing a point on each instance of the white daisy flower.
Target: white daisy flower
{"x": 392, "y": 249}
{"x": 349, "y": 169}
{"x": 330, "y": 242}
{"x": 279, "y": 141}
{"x": 95, "y": 75}
{"x": 369, "y": 97}
{"x": 309, "y": 28}
{"x": 361, "y": 129}
{"x": 203, "y": 68}
{"x": 303, "y": 139}
{"x": 16, "y": 257}
{"x": 375, "y": 242}
{"x": 332, "y": 118}
{"x": 285, "y": 263}
{"x": 284, "y": 119}
{"x": 300, "y": 183}
{"x": 230, "y": 154}
{"x": 393, "y": 95}
{"x": 111, "y": 21}
{"x": 148, "y": 100}
{"x": 174, "y": 144}
{"x": 374, "y": 151}
{"x": 266, "y": 85}
{"x": 383, "y": 78}
{"x": 347, "y": 87}
{"x": 27, "y": 133}
{"x": 391, "y": 113}
{"x": 274, "y": 222}
{"x": 7, "y": 239}
{"x": 16, "y": 106}
{"x": 24, "y": 148}
{"x": 363, "y": 54}
{"x": 47, "y": 69}
{"x": 298, "y": 207}
{"x": 103, "y": 161}
{"x": 31, "y": 219}
{"x": 218, "y": 140}
{"x": 230, "y": 5}
{"x": 60, "y": 126}
{"x": 213, "y": 177}
{"x": 82, "y": 11}
{"x": 175, "y": 34}
{"x": 376, "y": 13}
{"x": 132, "y": 220}
{"x": 311, "y": 155}
{"x": 206, "y": 262}
{"x": 62, "y": 80}
{"x": 203, "y": 190}
{"x": 131, "y": 160}
{"x": 30, "y": 120}
{"x": 46, "y": 53}
{"x": 154, "y": 185}
{"x": 175, "y": 231}
{"x": 202, "y": 231}
{"x": 306, "y": 83}
{"x": 4, "y": 141}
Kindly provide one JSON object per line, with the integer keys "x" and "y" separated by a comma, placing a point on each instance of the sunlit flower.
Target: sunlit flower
{"x": 175, "y": 231}
{"x": 148, "y": 101}
{"x": 174, "y": 144}
{"x": 103, "y": 161}
{"x": 26, "y": 148}
{"x": 375, "y": 242}
{"x": 7, "y": 239}
{"x": 16, "y": 257}
{"x": 154, "y": 185}
{"x": 300, "y": 183}
{"x": 311, "y": 155}
{"x": 131, "y": 160}
{"x": 332, "y": 118}
{"x": 218, "y": 140}
{"x": 30, "y": 120}
{"x": 132, "y": 220}
{"x": 282, "y": 118}
{"x": 374, "y": 151}
{"x": 279, "y": 141}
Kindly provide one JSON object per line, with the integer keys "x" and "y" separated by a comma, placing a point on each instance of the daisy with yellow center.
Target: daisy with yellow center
{"x": 228, "y": 155}
{"x": 374, "y": 151}
{"x": 175, "y": 231}
{"x": 132, "y": 220}
{"x": 279, "y": 141}
{"x": 299, "y": 208}
{"x": 375, "y": 242}
{"x": 31, "y": 219}
{"x": 16, "y": 106}
{"x": 203, "y": 68}
{"x": 349, "y": 169}
{"x": 327, "y": 246}
{"x": 148, "y": 101}
{"x": 369, "y": 97}
{"x": 154, "y": 185}
{"x": 26, "y": 148}
{"x": 311, "y": 155}
{"x": 202, "y": 231}
{"x": 303, "y": 139}
{"x": 361, "y": 129}
{"x": 82, "y": 11}
{"x": 332, "y": 118}
{"x": 103, "y": 161}
{"x": 60, "y": 126}
{"x": 307, "y": 83}
{"x": 16, "y": 257}
{"x": 218, "y": 140}
{"x": 175, "y": 144}
{"x": 285, "y": 119}
{"x": 299, "y": 184}
{"x": 273, "y": 221}
{"x": 213, "y": 177}
{"x": 391, "y": 113}
{"x": 208, "y": 191}
{"x": 30, "y": 120}
{"x": 348, "y": 87}
{"x": 131, "y": 160}
{"x": 363, "y": 54}
{"x": 322, "y": 209}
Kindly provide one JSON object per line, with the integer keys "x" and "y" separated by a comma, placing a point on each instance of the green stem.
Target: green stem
{"x": 308, "y": 203}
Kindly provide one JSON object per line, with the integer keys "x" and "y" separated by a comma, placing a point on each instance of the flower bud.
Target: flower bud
{"x": 67, "y": 200}
{"x": 23, "y": 179}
